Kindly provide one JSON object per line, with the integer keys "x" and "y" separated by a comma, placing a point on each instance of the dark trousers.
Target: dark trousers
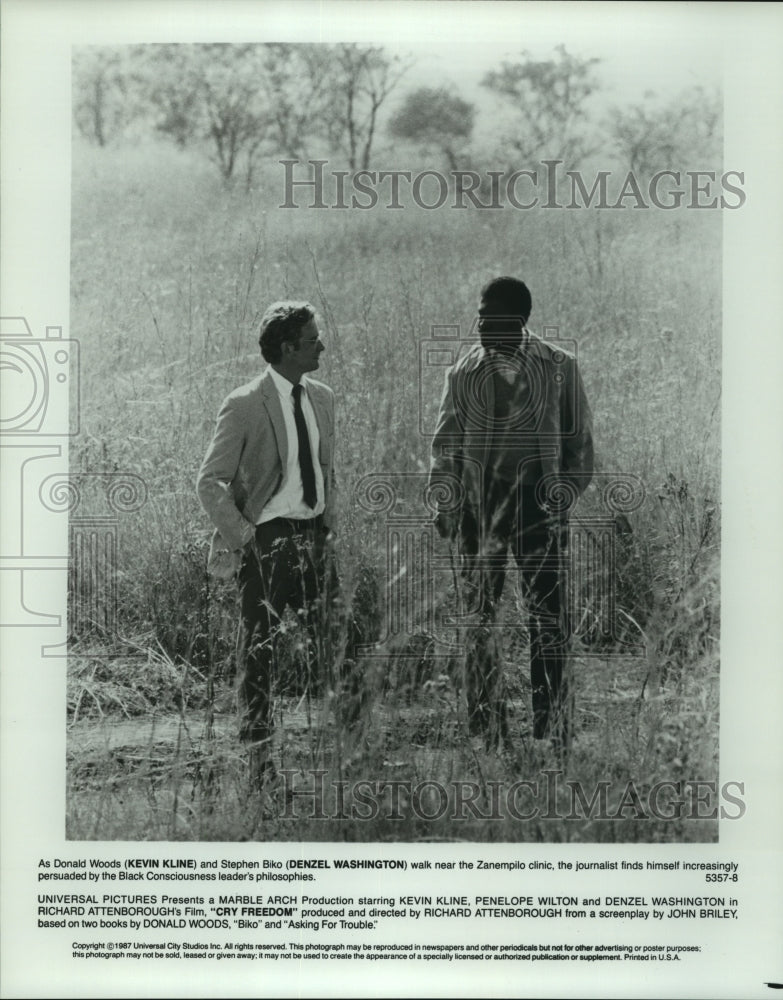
{"x": 282, "y": 567}
{"x": 513, "y": 519}
{"x": 289, "y": 564}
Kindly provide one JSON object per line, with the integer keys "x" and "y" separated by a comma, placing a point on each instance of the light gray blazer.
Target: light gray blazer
{"x": 243, "y": 466}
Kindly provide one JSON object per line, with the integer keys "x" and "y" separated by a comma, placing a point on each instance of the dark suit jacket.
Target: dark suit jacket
{"x": 243, "y": 466}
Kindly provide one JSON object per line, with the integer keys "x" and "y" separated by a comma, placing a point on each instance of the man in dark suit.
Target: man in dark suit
{"x": 513, "y": 433}
{"x": 266, "y": 483}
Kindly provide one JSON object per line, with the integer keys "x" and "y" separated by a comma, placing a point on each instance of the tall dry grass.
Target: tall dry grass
{"x": 170, "y": 273}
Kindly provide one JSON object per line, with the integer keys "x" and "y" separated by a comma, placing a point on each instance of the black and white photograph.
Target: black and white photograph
{"x": 389, "y": 481}
{"x": 481, "y": 544}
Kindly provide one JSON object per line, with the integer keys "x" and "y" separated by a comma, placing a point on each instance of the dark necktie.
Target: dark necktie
{"x": 305, "y": 455}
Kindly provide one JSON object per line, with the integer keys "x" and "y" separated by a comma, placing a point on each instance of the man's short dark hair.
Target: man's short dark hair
{"x": 513, "y": 295}
{"x": 282, "y": 323}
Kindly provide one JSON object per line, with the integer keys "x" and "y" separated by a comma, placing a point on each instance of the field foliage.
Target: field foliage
{"x": 171, "y": 271}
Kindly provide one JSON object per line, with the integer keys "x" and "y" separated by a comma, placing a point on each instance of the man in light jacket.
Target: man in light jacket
{"x": 266, "y": 483}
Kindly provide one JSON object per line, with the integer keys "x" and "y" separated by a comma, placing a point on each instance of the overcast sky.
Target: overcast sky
{"x": 662, "y": 47}
{"x": 658, "y": 47}
{"x": 652, "y": 51}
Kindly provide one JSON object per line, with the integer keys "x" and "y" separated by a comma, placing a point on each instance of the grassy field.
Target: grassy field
{"x": 170, "y": 274}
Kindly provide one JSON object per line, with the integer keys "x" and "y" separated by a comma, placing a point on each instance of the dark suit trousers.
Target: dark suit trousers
{"x": 283, "y": 567}
{"x": 290, "y": 564}
{"x": 512, "y": 519}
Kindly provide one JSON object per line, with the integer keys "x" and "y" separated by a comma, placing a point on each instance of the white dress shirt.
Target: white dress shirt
{"x": 289, "y": 499}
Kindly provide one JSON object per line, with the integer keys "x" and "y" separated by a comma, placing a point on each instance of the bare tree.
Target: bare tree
{"x": 361, "y": 79}
{"x": 244, "y": 100}
{"x": 103, "y": 83}
{"x": 173, "y": 78}
{"x": 651, "y": 137}
{"x": 297, "y": 87}
{"x": 549, "y": 102}
{"x": 235, "y": 94}
{"x": 435, "y": 118}
{"x": 237, "y": 115}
